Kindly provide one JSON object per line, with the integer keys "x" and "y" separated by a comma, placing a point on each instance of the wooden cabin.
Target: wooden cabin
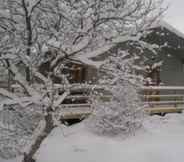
{"x": 74, "y": 71}
{"x": 171, "y": 53}
{"x": 169, "y": 74}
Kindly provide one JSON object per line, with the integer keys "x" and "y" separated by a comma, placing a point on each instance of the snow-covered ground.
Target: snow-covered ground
{"x": 161, "y": 140}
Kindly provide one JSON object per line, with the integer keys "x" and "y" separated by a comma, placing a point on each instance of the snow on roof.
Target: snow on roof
{"x": 169, "y": 27}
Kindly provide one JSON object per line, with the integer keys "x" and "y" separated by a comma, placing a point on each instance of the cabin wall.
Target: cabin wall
{"x": 91, "y": 74}
{"x": 172, "y": 70}
{"x": 171, "y": 53}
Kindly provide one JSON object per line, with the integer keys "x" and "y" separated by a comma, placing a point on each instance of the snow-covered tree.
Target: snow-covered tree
{"x": 122, "y": 112}
{"x": 76, "y": 30}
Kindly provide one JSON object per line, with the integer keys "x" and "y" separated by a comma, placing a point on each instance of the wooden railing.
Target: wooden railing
{"x": 159, "y": 99}
{"x": 163, "y": 99}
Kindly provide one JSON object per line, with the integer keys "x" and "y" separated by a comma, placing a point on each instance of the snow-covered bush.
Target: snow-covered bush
{"x": 17, "y": 125}
{"x": 123, "y": 113}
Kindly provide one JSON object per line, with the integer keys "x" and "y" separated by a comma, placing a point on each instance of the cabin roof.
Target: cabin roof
{"x": 164, "y": 24}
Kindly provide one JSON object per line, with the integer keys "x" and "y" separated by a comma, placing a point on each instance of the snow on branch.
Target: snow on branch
{"x": 20, "y": 79}
{"x": 87, "y": 58}
{"x": 12, "y": 99}
{"x": 61, "y": 99}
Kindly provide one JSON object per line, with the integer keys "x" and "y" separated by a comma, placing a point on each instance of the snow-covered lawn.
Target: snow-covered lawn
{"x": 161, "y": 140}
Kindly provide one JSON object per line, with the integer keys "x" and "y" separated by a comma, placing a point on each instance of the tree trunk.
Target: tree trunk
{"x": 9, "y": 80}
{"x": 29, "y": 37}
{"x": 28, "y": 74}
{"x": 28, "y": 157}
{"x": 29, "y": 44}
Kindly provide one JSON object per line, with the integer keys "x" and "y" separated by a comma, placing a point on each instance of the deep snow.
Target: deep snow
{"x": 160, "y": 140}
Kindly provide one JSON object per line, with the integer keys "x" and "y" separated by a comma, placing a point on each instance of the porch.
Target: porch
{"x": 163, "y": 99}
{"x": 158, "y": 100}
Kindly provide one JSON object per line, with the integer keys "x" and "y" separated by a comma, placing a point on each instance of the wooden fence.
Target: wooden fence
{"x": 163, "y": 99}
{"x": 158, "y": 100}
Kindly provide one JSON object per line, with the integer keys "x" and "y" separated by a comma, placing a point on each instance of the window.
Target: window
{"x": 182, "y": 65}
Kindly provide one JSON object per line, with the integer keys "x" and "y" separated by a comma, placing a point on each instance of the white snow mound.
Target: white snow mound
{"x": 161, "y": 140}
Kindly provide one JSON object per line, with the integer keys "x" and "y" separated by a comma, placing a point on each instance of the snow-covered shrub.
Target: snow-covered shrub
{"x": 123, "y": 113}
{"x": 17, "y": 125}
